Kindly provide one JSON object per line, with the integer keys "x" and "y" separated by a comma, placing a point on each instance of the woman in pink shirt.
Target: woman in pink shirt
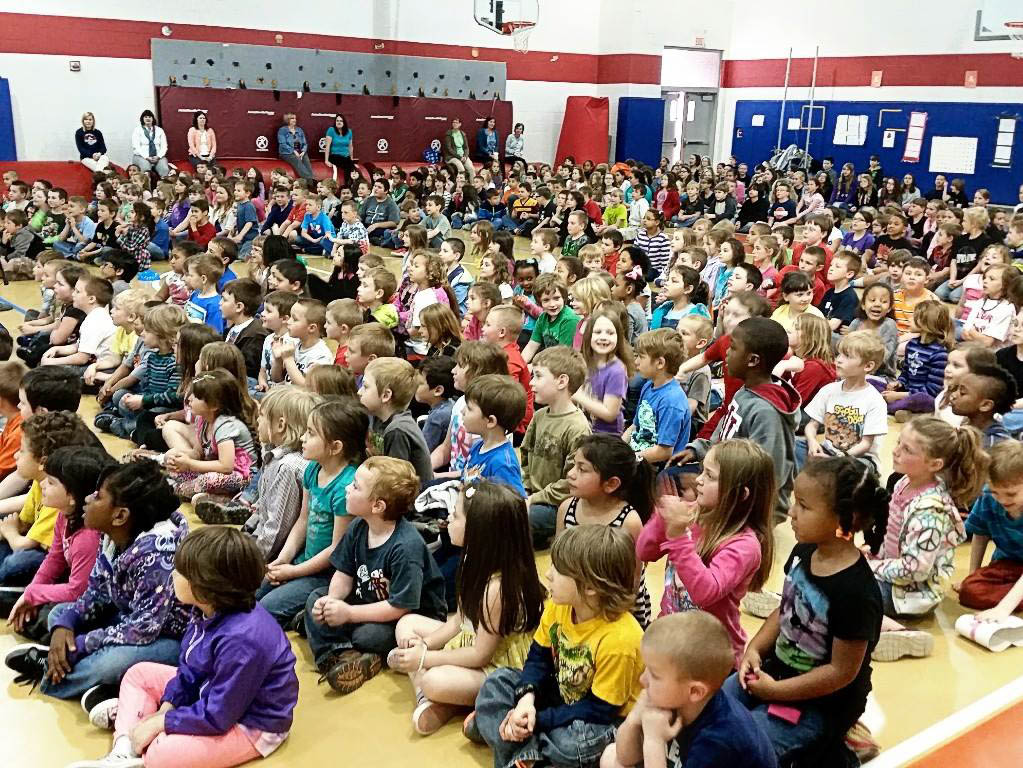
{"x": 72, "y": 476}
{"x": 202, "y": 141}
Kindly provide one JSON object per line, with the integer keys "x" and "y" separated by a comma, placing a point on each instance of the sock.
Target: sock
{"x": 122, "y": 746}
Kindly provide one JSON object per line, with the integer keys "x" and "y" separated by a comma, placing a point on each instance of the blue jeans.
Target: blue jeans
{"x": 459, "y": 220}
{"x": 1013, "y": 421}
{"x": 505, "y": 222}
{"x": 578, "y": 744}
{"x": 786, "y": 738}
{"x": 107, "y": 665}
{"x": 289, "y": 598}
{"x": 17, "y": 567}
{"x": 371, "y": 637}
{"x": 543, "y": 521}
{"x": 945, "y": 293}
{"x": 67, "y": 248}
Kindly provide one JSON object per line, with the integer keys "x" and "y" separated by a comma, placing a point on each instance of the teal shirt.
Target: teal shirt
{"x": 325, "y": 503}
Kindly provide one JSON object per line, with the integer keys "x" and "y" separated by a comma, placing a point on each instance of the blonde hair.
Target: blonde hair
{"x": 601, "y": 559}
{"x": 165, "y": 321}
{"x": 976, "y": 216}
{"x": 394, "y": 374}
{"x": 509, "y": 317}
{"x": 331, "y": 381}
{"x": 864, "y": 345}
{"x": 814, "y": 338}
{"x": 933, "y": 321}
{"x": 133, "y": 301}
{"x": 293, "y": 405}
{"x": 959, "y": 448}
{"x": 1007, "y": 462}
{"x": 395, "y": 483}
{"x": 589, "y": 292}
{"x": 746, "y": 500}
{"x": 345, "y": 312}
{"x": 695, "y": 643}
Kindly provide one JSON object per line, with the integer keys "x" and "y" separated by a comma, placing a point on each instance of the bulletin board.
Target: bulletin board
{"x": 953, "y": 154}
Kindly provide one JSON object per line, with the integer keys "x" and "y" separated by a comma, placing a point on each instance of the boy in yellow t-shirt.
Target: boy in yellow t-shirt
{"x": 26, "y": 537}
{"x": 581, "y": 676}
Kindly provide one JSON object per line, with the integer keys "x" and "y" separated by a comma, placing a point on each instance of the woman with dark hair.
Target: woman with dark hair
{"x": 515, "y": 146}
{"x": 149, "y": 145}
{"x": 293, "y": 148}
{"x": 338, "y": 152}
{"x": 91, "y": 147}
{"x": 456, "y": 150}
{"x": 202, "y": 141}
{"x": 487, "y": 142}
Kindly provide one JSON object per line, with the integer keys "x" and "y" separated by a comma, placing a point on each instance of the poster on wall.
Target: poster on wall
{"x": 953, "y": 154}
{"x": 851, "y": 130}
{"x": 914, "y": 137}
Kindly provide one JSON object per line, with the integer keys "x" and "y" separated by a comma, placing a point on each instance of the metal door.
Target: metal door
{"x": 698, "y": 123}
{"x": 674, "y": 109}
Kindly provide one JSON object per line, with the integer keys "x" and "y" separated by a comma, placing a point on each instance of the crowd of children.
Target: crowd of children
{"x": 394, "y": 448}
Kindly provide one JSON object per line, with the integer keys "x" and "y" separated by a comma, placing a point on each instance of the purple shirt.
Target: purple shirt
{"x": 611, "y": 379}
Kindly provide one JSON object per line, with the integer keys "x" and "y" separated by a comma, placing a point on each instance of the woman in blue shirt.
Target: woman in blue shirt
{"x": 487, "y": 142}
{"x": 293, "y": 148}
{"x": 91, "y": 147}
{"x": 338, "y": 152}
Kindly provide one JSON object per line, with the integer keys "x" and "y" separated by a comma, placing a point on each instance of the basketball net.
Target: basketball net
{"x": 1015, "y": 31}
{"x": 520, "y": 31}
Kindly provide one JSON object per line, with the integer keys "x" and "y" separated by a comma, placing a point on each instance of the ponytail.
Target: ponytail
{"x": 612, "y": 457}
{"x": 965, "y": 462}
{"x": 858, "y": 499}
{"x": 700, "y": 293}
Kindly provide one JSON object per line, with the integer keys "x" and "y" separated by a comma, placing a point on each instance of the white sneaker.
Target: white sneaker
{"x": 892, "y": 646}
{"x": 110, "y": 761}
{"x": 761, "y": 604}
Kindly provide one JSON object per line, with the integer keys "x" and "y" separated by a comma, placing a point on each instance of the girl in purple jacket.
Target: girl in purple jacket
{"x": 232, "y": 696}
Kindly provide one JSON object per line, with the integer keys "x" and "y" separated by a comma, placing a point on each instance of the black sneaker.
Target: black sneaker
{"x": 103, "y": 421}
{"x": 100, "y": 704}
{"x": 29, "y": 661}
{"x": 352, "y": 669}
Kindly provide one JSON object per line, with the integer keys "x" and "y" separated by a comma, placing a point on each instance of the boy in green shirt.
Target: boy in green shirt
{"x": 557, "y": 324}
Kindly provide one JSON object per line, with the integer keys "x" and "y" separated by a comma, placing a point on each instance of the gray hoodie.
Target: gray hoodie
{"x": 768, "y": 415}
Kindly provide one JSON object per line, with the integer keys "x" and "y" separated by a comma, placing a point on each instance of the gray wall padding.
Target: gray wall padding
{"x": 266, "y": 67}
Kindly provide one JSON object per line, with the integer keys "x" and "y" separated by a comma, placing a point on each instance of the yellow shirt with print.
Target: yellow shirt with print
{"x": 596, "y": 655}
{"x": 40, "y": 519}
{"x": 123, "y": 343}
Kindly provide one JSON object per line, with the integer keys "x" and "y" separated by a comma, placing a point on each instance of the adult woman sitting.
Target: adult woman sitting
{"x": 338, "y": 152}
{"x": 456, "y": 150}
{"x": 293, "y": 148}
{"x": 91, "y": 148}
{"x": 202, "y": 141}
{"x": 487, "y": 142}
{"x": 515, "y": 146}
{"x": 149, "y": 145}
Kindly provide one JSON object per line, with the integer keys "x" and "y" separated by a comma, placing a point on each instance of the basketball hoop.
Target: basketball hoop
{"x": 520, "y": 31}
{"x": 1015, "y": 30}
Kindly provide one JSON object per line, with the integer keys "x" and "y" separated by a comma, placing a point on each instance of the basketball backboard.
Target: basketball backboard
{"x": 991, "y": 18}
{"x": 506, "y": 16}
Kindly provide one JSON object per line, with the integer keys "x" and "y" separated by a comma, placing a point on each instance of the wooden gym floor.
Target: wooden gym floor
{"x": 961, "y": 706}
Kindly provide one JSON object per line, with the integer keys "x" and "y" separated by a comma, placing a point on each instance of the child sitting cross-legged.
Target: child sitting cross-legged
{"x": 682, "y": 715}
{"x": 128, "y": 309}
{"x": 334, "y": 443}
{"x": 381, "y": 572}
{"x": 807, "y": 684}
{"x": 500, "y": 600}
{"x": 387, "y": 389}
{"x": 923, "y": 370}
{"x": 91, "y": 296}
{"x": 582, "y": 673}
{"x": 231, "y": 697}
{"x": 552, "y": 437}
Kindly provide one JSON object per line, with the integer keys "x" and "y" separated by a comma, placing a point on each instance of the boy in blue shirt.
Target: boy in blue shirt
{"x": 661, "y": 425}
{"x": 840, "y": 303}
{"x": 494, "y": 406}
{"x": 202, "y": 272}
{"x": 683, "y": 717}
{"x": 246, "y": 224}
{"x": 225, "y": 249}
{"x": 997, "y": 588}
{"x": 316, "y": 231}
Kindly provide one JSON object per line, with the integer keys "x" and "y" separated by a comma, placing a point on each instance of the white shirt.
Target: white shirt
{"x": 97, "y": 333}
{"x": 849, "y": 416}
{"x": 317, "y": 354}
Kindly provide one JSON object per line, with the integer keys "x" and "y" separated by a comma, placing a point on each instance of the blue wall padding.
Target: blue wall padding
{"x": 8, "y": 150}
{"x": 943, "y": 119}
{"x": 640, "y": 129}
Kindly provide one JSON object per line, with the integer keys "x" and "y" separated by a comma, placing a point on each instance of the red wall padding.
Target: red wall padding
{"x": 387, "y": 129}
{"x": 584, "y": 130}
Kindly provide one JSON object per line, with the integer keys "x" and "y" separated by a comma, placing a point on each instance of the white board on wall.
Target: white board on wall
{"x": 953, "y": 154}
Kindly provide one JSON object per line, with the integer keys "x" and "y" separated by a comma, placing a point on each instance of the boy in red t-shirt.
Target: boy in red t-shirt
{"x": 591, "y": 207}
{"x": 200, "y": 229}
{"x": 611, "y": 244}
{"x": 292, "y": 226}
{"x": 811, "y": 262}
{"x": 741, "y": 306}
{"x": 813, "y": 235}
{"x": 502, "y": 327}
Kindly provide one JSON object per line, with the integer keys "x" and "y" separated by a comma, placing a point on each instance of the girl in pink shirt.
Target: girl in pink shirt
{"x": 721, "y": 545}
{"x": 72, "y": 475}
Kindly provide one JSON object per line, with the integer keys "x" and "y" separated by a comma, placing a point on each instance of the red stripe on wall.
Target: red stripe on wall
{"x": 121, "y": 38}
{"x": 993, "y": 69}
